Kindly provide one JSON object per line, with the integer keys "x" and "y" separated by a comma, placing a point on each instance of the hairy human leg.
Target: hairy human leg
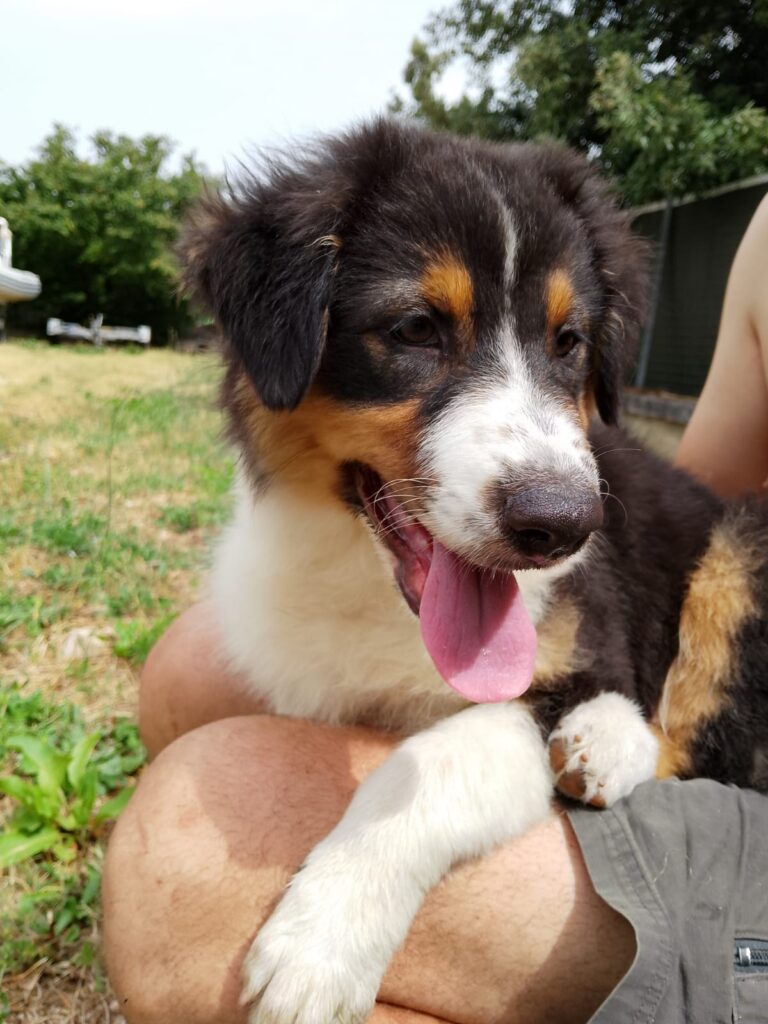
{"x": 225, "y": 816}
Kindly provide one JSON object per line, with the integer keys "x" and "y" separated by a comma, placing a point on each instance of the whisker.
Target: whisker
{"x": 597, "y": 452}
{"x": 410, "y": 480}
{"x": 607, "y": 494}
{"x": 385, "y": 491}
{"x": 407, "y": 502}
{"x": 397, "y": 519}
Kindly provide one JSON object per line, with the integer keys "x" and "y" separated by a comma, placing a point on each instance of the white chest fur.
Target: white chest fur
{"x": 310, "y": 614}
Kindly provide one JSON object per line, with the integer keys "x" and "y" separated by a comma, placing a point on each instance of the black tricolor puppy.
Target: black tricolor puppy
{"x": 425, "y": 344}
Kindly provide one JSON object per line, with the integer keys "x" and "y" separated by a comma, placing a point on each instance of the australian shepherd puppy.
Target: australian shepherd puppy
{"x": 438, "y": 531}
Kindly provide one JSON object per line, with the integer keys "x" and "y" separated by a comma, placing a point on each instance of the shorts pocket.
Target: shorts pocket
{"x": 750, "y": 976}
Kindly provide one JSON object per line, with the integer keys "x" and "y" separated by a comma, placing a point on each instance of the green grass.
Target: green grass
{"x": 52, "y": 909}
{"x": 134, "y": 640}
{"x": 114, "y": 481}
{"x": 29, "y": 612}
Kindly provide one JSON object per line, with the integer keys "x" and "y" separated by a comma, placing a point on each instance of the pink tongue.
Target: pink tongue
{"x": 476, "y": 629}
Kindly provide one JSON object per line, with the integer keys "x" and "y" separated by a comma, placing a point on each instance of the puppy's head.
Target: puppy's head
{"x": 435, "y": 321}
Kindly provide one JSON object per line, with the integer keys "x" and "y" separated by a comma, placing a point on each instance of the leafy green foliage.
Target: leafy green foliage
{"x": 100, "y": 231}
{"x": 663, "y": 138}
{"x": 67, "y": 782}
{"x": 670, "y": 96}
{"x": 62, "y": 783}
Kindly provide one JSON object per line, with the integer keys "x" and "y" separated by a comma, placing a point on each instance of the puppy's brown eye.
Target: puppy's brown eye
{"x": 418, "y": 330}
{"x": 566, "y": 341}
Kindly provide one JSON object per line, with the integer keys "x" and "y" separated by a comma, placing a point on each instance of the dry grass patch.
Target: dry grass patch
{"x": 113, "y": 479}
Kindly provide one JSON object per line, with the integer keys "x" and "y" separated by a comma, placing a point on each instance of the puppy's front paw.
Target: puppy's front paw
{"x": 301, "y": 969}
{"x": 602, "y": 749}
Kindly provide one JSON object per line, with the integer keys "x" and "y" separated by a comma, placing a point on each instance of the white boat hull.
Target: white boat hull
{"x": 18, "y": 285}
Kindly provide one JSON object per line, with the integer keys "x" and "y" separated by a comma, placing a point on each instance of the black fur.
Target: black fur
{"x": 263, "y": 261}
{"x": 656, "y": 528}
{"x": 620, "y": 261}
{"x": 298, "y": 264}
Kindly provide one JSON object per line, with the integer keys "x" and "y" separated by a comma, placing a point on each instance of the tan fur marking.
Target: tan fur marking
{"x": 559, "y": 298}
{"x": 718, "y": 602}
{"x": 307, "y": 446}
{"x": 672, "y": 760}
{"x": 556, "y": 651}
{"x": 384, "y": 436}
{"x": 447, "y": 284}
{"x": 280, "y": 444}
{"x": 587, "y": 408}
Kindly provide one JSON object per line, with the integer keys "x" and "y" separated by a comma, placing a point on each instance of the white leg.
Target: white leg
{"x": 447, "y": 794}
{"x": 602, "y": 749}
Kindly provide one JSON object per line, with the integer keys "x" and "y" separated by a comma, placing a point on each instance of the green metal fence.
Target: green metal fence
{"x": 702, "y": 239}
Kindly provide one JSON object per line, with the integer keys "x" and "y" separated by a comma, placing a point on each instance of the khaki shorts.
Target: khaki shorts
{"x": 687, "y": 864}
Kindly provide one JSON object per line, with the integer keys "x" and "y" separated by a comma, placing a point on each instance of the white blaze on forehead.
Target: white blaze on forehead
{"x": 510, "y": 247}
{"x": 499, "y": 429}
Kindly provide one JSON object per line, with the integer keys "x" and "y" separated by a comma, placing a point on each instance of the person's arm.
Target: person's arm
{"x": 226, "y": 814}
{"x": 726, "y": 442}
{"x": 228, "y": 810}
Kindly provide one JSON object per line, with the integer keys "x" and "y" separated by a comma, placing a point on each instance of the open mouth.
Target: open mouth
{"x": 473, "y": 622}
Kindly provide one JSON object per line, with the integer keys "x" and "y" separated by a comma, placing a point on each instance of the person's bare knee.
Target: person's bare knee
{"x": 185, "y": 682}
{"x": 156, "y": 949}
{"x": 192, "y": 870}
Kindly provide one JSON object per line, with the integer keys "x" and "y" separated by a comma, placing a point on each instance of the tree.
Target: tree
{"x": 670, "y": 96}
{"x": 100, "y": 231}
{"x": 664, "y": 139}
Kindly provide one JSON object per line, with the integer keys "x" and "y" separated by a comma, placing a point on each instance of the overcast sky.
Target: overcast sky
{"x": 218, "y": 76}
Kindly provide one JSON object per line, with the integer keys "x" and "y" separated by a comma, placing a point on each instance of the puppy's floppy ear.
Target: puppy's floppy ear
{"x": 621, "y": 261}
{"x": 262, "y": 259}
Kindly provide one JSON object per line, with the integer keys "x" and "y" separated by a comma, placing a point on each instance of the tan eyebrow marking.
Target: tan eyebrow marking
{"x": 446, "y": 283}
{"x": 559, "y": 298}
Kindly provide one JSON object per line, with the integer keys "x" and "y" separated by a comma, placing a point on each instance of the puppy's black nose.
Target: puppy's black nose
{"x": 545, "y": 523}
